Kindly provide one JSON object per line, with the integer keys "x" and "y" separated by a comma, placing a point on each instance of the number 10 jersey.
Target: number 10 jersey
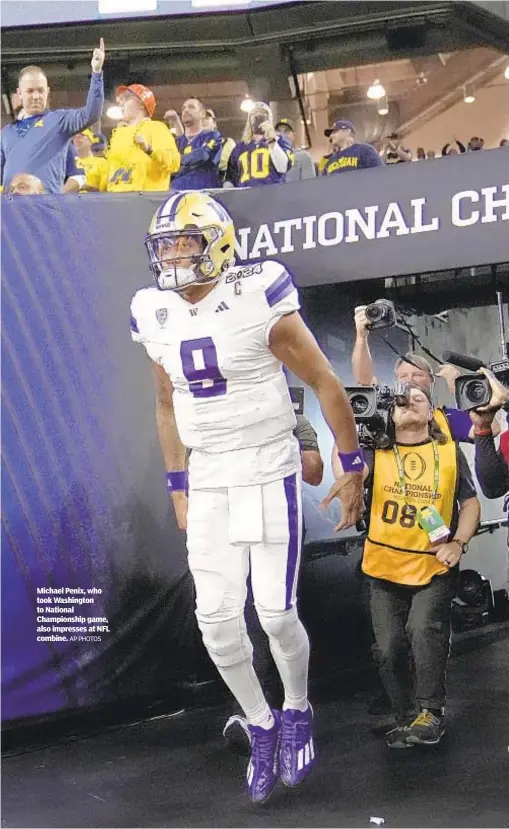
{"x": 231, "y": 399}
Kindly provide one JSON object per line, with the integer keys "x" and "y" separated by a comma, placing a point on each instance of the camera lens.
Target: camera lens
{"x": 374, "y": 313}
{"x": 359, "y": 404}
{"x": 475, "y": 391}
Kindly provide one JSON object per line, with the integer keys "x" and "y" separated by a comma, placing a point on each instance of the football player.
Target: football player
{"x": 262, "y": 157}
{"x": 217, "y": 336}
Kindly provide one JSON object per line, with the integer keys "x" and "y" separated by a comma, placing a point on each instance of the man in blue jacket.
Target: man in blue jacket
{"x": 37, "y": 143}
{"x": 200, "y": 149}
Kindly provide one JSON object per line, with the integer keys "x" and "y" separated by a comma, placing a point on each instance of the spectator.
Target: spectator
{"x": 100, "y": 145}
{"x": 324, "y": 159}
{"x": 504, "y": 142}
{"x": 74, "y": 177}
{"x": 394, "y": 152}
{"x": 200, "y": 148}
{"x": 475, "y": 144}
{"x": 73, "y": 180}
{"x": 37, "y": 143}
{"x": 348, "y": 154}
{"x": 448, "y": 150}
{"x": 23, "y": 184}
{"x": 421, "y": 155}
{"x": 94, "y": 166}
{"x": 227, "y": 144}
{"x": 142, "y": 154}
{"x": 262, "y": 157}
{"x": 303, "y": 166}
{"x": 430, "y": 154}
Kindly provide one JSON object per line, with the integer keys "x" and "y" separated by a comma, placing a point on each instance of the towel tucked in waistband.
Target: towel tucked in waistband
{"x": 245, "y": 515}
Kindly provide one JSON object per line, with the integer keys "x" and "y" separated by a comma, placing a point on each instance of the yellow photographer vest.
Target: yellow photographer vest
{"x": 442, "y": 422}
{"x": 396, "y": 548}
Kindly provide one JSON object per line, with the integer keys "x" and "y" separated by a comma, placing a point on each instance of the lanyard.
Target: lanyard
{"x": 401, "y": 471}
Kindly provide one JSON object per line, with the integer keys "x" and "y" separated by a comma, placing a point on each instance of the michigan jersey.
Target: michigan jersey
{"x": 230, "y": 394}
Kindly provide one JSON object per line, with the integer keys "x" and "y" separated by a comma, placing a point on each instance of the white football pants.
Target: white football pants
{"x": 220, "y": 570}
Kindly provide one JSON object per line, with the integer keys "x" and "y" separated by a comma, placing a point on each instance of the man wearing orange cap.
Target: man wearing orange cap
{"x": 142, "y": 154}
{"x": 94, "y": 167}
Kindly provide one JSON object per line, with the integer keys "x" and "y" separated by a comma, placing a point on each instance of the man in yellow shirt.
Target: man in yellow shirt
{"x": 95, "y": 167}
{"x": 142, "y": 154}
{"x": 422, "y": 510}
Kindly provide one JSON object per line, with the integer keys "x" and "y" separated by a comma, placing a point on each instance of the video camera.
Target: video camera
{"x": 371, "y": 408}
{"x": 472, "y": 391}
{"x": 381, "y": 314}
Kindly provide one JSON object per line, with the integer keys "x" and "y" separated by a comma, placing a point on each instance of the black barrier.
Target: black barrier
{"x": 400, "y": 220}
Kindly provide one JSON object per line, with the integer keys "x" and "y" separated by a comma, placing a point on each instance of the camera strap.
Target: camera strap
{"x": 401, "y": 471}
{"x": 407, "y": 359}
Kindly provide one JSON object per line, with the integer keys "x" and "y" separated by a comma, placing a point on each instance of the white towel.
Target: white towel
{"x": 245, "y": 523}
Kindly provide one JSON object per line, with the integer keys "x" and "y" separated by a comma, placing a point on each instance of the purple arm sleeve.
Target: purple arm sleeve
{"x": 459, "y": 423}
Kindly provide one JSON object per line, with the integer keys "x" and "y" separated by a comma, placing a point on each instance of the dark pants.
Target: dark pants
{"x": 413, "y": 625}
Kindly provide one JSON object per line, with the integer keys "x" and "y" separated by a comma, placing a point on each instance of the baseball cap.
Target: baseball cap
{"x": 285, "y": 122}
{"x": 143, "y": 93}
{"x": 341, "y": 124}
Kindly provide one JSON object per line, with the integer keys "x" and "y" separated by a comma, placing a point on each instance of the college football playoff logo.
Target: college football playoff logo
{"x": 414, "y": 466}
{"x": 162, "y": 315}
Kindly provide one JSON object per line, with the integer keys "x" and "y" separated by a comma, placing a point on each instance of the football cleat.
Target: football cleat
{"x": 237, "y": 735}
{"x": 297, "y": 755}
{"x": 262, "y": 769}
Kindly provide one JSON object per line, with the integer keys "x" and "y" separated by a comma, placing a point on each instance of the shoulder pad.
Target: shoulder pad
{"x": 143, "y": 295}
{"x": 257, "y": 276}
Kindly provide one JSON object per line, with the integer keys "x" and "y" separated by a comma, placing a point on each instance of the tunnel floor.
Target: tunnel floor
{"x": 177, "y": 772}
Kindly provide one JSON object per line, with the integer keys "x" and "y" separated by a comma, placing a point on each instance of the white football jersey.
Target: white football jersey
{"x": 230, "y": 393}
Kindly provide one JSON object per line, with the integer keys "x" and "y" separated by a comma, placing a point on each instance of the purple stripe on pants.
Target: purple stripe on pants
{"x": 292, "y": 504}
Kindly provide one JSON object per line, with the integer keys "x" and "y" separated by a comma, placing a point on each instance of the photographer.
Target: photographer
{"x": 422, "y": 512}
{"x": 262, "y": 157}
{"x": 414, "y": 369}
{"x": 491, "y": 467}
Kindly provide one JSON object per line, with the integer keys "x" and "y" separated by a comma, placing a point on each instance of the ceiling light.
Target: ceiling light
{"x": 468, "y": 95}
{"x": 382, "y": 105}
{"x": 247, "y": 104}
{"x": 506, "y": 73}
{"x": 376, "y": 90}
{"x": 114, "y": 112}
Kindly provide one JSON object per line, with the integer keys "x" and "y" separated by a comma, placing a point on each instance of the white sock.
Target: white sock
{"x": 245, "y": 687}
{"x": 296, "y": 705}
{"x": 290, "y": 650}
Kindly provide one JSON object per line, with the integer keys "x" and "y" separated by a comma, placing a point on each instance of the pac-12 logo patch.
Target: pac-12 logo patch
{"x": 162, "y": 315}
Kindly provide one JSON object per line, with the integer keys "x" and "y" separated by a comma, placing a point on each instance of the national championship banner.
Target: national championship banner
{"x": 394, "y": 221}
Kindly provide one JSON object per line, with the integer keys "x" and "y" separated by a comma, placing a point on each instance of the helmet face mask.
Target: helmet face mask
{"x": 190, "y": 241}
{"x": 179, "y": 259}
